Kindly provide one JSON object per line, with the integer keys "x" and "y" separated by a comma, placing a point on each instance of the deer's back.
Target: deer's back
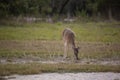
{"x": 68, "y": 35}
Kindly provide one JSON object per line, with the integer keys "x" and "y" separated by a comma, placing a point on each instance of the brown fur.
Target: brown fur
{"x": 69, "y": 38}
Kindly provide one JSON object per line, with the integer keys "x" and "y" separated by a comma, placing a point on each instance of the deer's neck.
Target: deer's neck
{"x": 73, "y": 45}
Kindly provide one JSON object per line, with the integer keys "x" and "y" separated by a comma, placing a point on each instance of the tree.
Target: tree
{"x": 69, "y": 8}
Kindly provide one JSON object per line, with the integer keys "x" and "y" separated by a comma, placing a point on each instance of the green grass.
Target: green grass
{"x": 43, "y": 40}
{"x": 40, "y": 31}
{"x": 85, "y": 32}
{"x": 97, "y": 40}
{"x": 37, "y": 68}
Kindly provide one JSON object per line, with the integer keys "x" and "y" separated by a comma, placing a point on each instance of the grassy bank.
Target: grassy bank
{"x": 37, "y": 68}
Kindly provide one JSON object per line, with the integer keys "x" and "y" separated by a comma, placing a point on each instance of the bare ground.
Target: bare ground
{"x": 61, "y": 60}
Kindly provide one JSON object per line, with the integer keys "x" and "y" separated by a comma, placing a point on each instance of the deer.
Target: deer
{"x": 69, "y": 39}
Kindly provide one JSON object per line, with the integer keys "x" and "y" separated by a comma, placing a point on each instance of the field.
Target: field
{"x": 85, "y": 32}
{"x": 37, "y": 42}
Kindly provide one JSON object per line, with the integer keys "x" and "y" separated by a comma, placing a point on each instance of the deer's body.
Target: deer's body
{"x": 69, "y": 39}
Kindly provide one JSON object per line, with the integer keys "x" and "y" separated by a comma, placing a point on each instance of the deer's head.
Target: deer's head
{"x": 76, "y": 51}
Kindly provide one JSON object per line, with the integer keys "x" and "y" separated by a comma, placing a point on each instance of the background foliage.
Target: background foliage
{"x": 69, "y": 8}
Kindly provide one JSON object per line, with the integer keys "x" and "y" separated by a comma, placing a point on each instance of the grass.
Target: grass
{"x": 40, "y": 31}
{"x": 85, "y": 32}
{"x": 37, "y": 68}
{"x": 52, "y": 49}
{"x": 43, "y": 40}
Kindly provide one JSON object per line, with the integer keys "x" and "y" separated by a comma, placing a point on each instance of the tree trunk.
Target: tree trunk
{"x": 110, "y": 14}
{"x": 63, "y": 6}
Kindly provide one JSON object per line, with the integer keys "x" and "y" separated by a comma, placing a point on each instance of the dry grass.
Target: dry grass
{"x": 35, "y": 68}
{"x": 48, "y": 49}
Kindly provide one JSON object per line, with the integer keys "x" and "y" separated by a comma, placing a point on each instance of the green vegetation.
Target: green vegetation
{"x": 97, "y": 40}
{"x": 43, "y": 41}
{"x": 85, "y": 32}
{"x": 35, "y": 68}
{"x": 25, "y": 34}
{"x": 108, "y": 9}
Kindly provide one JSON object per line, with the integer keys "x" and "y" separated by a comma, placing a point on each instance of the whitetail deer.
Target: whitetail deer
{"x": 69, "y": 39}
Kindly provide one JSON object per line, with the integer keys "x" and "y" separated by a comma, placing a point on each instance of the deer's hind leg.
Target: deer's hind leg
{"x": 65, "y": 50}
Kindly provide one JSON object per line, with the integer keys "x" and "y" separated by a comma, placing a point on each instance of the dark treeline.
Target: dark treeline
{"x": 109, "y": 9}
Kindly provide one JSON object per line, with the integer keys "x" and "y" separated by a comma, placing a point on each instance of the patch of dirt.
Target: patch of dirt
{"x": 60, "y": 60}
